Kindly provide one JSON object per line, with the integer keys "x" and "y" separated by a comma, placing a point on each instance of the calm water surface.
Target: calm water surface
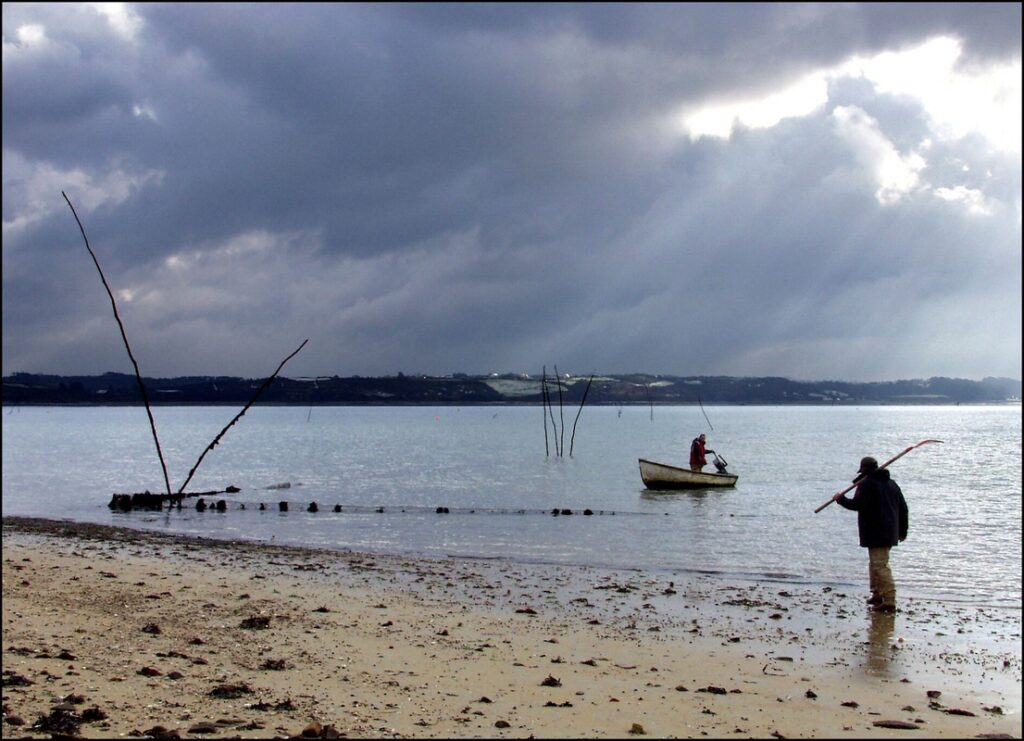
{"x": 488, "y": 466}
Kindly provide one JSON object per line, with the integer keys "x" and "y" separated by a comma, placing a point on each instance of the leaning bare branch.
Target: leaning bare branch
{"x": 259, "y": 392}
{"x": 124, "y": 336}
{"x": 572, "y": 440}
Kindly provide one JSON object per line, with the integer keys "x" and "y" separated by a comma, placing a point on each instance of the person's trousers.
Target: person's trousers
{"x": 880, "y": 576}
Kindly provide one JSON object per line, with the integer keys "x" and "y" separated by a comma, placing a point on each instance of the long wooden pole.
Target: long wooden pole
{"x": 551, "y": 414}
{"x": 891, "y": 460}
{"x": 124, "y": 336}
{"x": 561, "y": 412}
{"x": 544, "y": 407}
{"x": 705, "y": 413}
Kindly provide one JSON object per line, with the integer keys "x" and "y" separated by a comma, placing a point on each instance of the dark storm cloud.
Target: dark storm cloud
{"x": 445, "y": 188}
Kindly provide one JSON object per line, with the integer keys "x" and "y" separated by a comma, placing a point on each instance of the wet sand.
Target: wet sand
{"x": 111, "y": 632}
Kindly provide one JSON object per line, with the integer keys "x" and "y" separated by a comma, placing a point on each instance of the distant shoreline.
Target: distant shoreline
{"x": 507, "y": 390}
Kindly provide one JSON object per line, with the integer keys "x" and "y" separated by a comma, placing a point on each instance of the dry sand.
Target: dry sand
{"x": 109, "y": 632}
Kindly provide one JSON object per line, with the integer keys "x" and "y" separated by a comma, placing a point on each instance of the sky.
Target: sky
{"x": 815, "y": 191}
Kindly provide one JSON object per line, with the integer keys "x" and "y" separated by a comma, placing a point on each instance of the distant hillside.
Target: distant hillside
{"x": 120, "y": 388}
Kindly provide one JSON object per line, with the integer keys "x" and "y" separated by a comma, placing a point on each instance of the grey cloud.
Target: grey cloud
{"x": 471, "y": 192}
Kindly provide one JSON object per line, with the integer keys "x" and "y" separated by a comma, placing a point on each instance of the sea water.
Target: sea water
{"x": 502, "y": 470}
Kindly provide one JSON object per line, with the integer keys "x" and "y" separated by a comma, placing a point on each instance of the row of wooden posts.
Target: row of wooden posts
{"x": 155, "y": 502}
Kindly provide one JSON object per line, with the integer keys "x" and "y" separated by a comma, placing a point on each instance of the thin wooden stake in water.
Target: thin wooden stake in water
{"x": 544, "y": 408}
{"x": 259, "y": 391}
{"x": 124, "y": 336}
{"x": 561, "y": 413}
{"x": 551, "y": 414}
{"x": 572, "y": 440}
{"x": 554, "y": 424}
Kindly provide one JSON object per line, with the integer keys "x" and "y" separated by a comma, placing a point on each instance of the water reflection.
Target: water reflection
{"x": 695, "y": 495}
{"x": 880, "y": 653}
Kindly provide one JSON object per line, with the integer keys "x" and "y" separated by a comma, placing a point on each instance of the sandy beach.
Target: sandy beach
{"x": 110, "y": 632}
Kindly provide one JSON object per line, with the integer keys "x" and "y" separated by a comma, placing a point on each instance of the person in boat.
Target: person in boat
{"x": 882, "y": 522}
{"x": 698, "y": 453}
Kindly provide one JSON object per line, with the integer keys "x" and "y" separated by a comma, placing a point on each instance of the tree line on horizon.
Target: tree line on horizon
{"x": 459, "y": 388}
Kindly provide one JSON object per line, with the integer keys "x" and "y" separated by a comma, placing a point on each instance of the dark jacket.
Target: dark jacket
{"x": 882, "y": 517}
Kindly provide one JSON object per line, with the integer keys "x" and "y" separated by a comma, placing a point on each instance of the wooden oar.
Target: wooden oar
{"x": 894, "y": 458}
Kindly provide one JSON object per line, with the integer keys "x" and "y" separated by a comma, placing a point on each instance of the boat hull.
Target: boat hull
{"x": 662, "y": 476}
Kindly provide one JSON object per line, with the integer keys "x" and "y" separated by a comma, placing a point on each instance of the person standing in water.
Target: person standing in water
{"x": 882, "y": 522}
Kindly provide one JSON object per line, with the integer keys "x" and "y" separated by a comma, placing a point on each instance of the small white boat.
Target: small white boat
{"x": 663, "y": 476}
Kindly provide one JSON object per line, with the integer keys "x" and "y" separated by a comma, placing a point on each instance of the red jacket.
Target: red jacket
{"x": 697, "y": 453}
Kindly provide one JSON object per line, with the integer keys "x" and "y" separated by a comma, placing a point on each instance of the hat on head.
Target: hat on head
{"x": 867, "y": 465}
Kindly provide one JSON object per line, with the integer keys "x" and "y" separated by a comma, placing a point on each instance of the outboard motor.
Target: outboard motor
{"x": 720, "y": 464}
